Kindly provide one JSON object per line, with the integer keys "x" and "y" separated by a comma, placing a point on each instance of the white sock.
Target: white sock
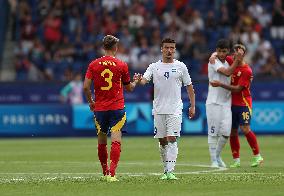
{"x": 212, "y": 143}
{"x": 171, "y": 156}
{"x": 237, "y": 160}
{"x": 163, "y": 154}
{"x": 220, "y": 145}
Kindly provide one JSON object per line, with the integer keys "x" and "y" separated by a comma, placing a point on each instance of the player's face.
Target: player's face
{"x": 222, "y": 53}
{"x": 168, "y": 50}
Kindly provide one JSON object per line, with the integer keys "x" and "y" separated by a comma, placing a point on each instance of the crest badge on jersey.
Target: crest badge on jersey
{"x": 239, "y": 73}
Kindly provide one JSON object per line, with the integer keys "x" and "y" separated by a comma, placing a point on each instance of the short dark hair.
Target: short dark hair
{"x": 240, "y": 46}
{"x": 109, "y": 41}
{"x": 223, "y": 44}
{"x": 167, "y": 40}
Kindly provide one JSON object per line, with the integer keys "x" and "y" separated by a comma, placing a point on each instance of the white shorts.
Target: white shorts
{"x": 219, "y": 120}
{"x": 167, "y": 125}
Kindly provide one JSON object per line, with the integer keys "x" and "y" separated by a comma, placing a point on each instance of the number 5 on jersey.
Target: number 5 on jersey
{"x": 107, "y": 79}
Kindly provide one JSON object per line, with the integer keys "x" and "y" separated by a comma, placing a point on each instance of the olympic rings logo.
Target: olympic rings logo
{"x": 268, "y": 116}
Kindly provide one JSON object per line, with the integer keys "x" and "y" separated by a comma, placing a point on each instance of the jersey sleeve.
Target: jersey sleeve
{"x": 215, "y": 66}
{"x": 125, "y": 75}
{"x": 90, "y": 72}
{"x": 245, "y": 79}
{"x": 230, "y": 60}
{"x": 148, "y": 73}
{"x": 186, "y": 79}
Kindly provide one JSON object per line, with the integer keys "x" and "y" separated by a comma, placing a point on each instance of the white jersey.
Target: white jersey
{"x": 218, "y": 95}
{"x": 167, "y": 79}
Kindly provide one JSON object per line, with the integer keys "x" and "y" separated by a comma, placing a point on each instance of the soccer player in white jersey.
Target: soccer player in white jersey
{"x": 218, "y": 103}
{"x": 168, "y": 77}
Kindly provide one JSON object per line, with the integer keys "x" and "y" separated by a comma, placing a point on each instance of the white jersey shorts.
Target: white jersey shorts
{"x": 167, "y": 125}
{"x": 219, "y": 120}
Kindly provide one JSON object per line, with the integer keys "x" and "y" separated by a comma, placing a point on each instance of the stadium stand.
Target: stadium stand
{"x": 56, "y": 38}
{"x": 3, "y": 24}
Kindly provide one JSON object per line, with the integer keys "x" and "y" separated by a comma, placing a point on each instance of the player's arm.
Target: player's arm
{"x": 213, "y": 58}
{"x": 146, "y": 77}
{"x": 88, "y": 93}
{"x": 230, "y": 70}
{"x": 233, "y": 88}
{"x": 191, "y": 95}
{"x": 137, "y": 79}
{"x": 143, "y": 81}
{"x": 130, "y": 86}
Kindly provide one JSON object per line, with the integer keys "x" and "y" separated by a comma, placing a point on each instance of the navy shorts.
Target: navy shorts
{"x": 112, "y": 120}
{"x": 241, "y": 115}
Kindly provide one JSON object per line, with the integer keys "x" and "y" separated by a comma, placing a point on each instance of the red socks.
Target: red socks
{"x": 114, "y": 156}
{"x": 251, "y": 138}
{"x": 235, "y": 146}
{"x": 103, "y": 156}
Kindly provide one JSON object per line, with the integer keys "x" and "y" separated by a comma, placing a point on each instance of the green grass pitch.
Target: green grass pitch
{"x": 69, "y": 166}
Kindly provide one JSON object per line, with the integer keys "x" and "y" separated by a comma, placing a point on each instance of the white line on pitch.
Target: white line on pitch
{"x": 95, "y": 162}
{"x": 144, "y": 174}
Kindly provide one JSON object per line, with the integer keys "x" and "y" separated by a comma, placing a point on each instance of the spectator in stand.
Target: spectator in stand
{"x": 52, "y": 32}
{"x": 277, "y": 26}
{"x": 75, "y": 28}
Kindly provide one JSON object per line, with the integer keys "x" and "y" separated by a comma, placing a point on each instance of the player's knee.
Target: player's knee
{"x": 163, "y": 141}
{"x": 116, "y": 136}
{"x": 234, "y": 132}
{"x": 224, "y": 136}
{"x": 245, "y": 129}
{"x": 171, "y": 139}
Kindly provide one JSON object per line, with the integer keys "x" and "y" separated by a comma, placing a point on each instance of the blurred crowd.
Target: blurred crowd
{"x": 57, "y": 38}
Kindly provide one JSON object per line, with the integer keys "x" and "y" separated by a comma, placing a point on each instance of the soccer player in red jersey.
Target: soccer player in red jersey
{"x": 108, "y": 74}
{"x": 241, "y": 109}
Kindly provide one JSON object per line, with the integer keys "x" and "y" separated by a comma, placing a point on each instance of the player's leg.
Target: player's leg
{"x": 225, "y": 131}
{"x": 213, "y": 127}
{"x": 250, "y": 136}
{"x": 101, "y": 127}
{"x": 173, "y": 123}
{"x": 117, "y": 121}
{"x": 103, "y": 153}
{"x": 234, "y": 137}
{"x": 160, "y": 133}
{"x": 163, "y": 143}
{"x": 252, "y": 140}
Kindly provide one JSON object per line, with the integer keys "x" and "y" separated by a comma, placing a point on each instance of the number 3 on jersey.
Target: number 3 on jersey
{"x": 107, "y": 79}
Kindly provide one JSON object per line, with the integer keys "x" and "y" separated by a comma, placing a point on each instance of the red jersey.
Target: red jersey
{"x": 229, "y": 59}
{"x": 108, "y": 74}
{"x": 242, "y": 76}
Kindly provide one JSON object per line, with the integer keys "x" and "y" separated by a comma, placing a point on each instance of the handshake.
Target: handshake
{"x": 137, "y": 77}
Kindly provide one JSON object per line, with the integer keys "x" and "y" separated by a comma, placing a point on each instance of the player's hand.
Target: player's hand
{"x": 92, "y": 106}
{"x": 191, "y": 112}
{"x": 137, "y": 77}
{"x": 212, "y": 58}
{"x": 215, "y": 83}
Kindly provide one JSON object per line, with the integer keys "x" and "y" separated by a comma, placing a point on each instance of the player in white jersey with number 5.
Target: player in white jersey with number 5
{"x": 218, "y": 103}
{"x": 169, "y": 75}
